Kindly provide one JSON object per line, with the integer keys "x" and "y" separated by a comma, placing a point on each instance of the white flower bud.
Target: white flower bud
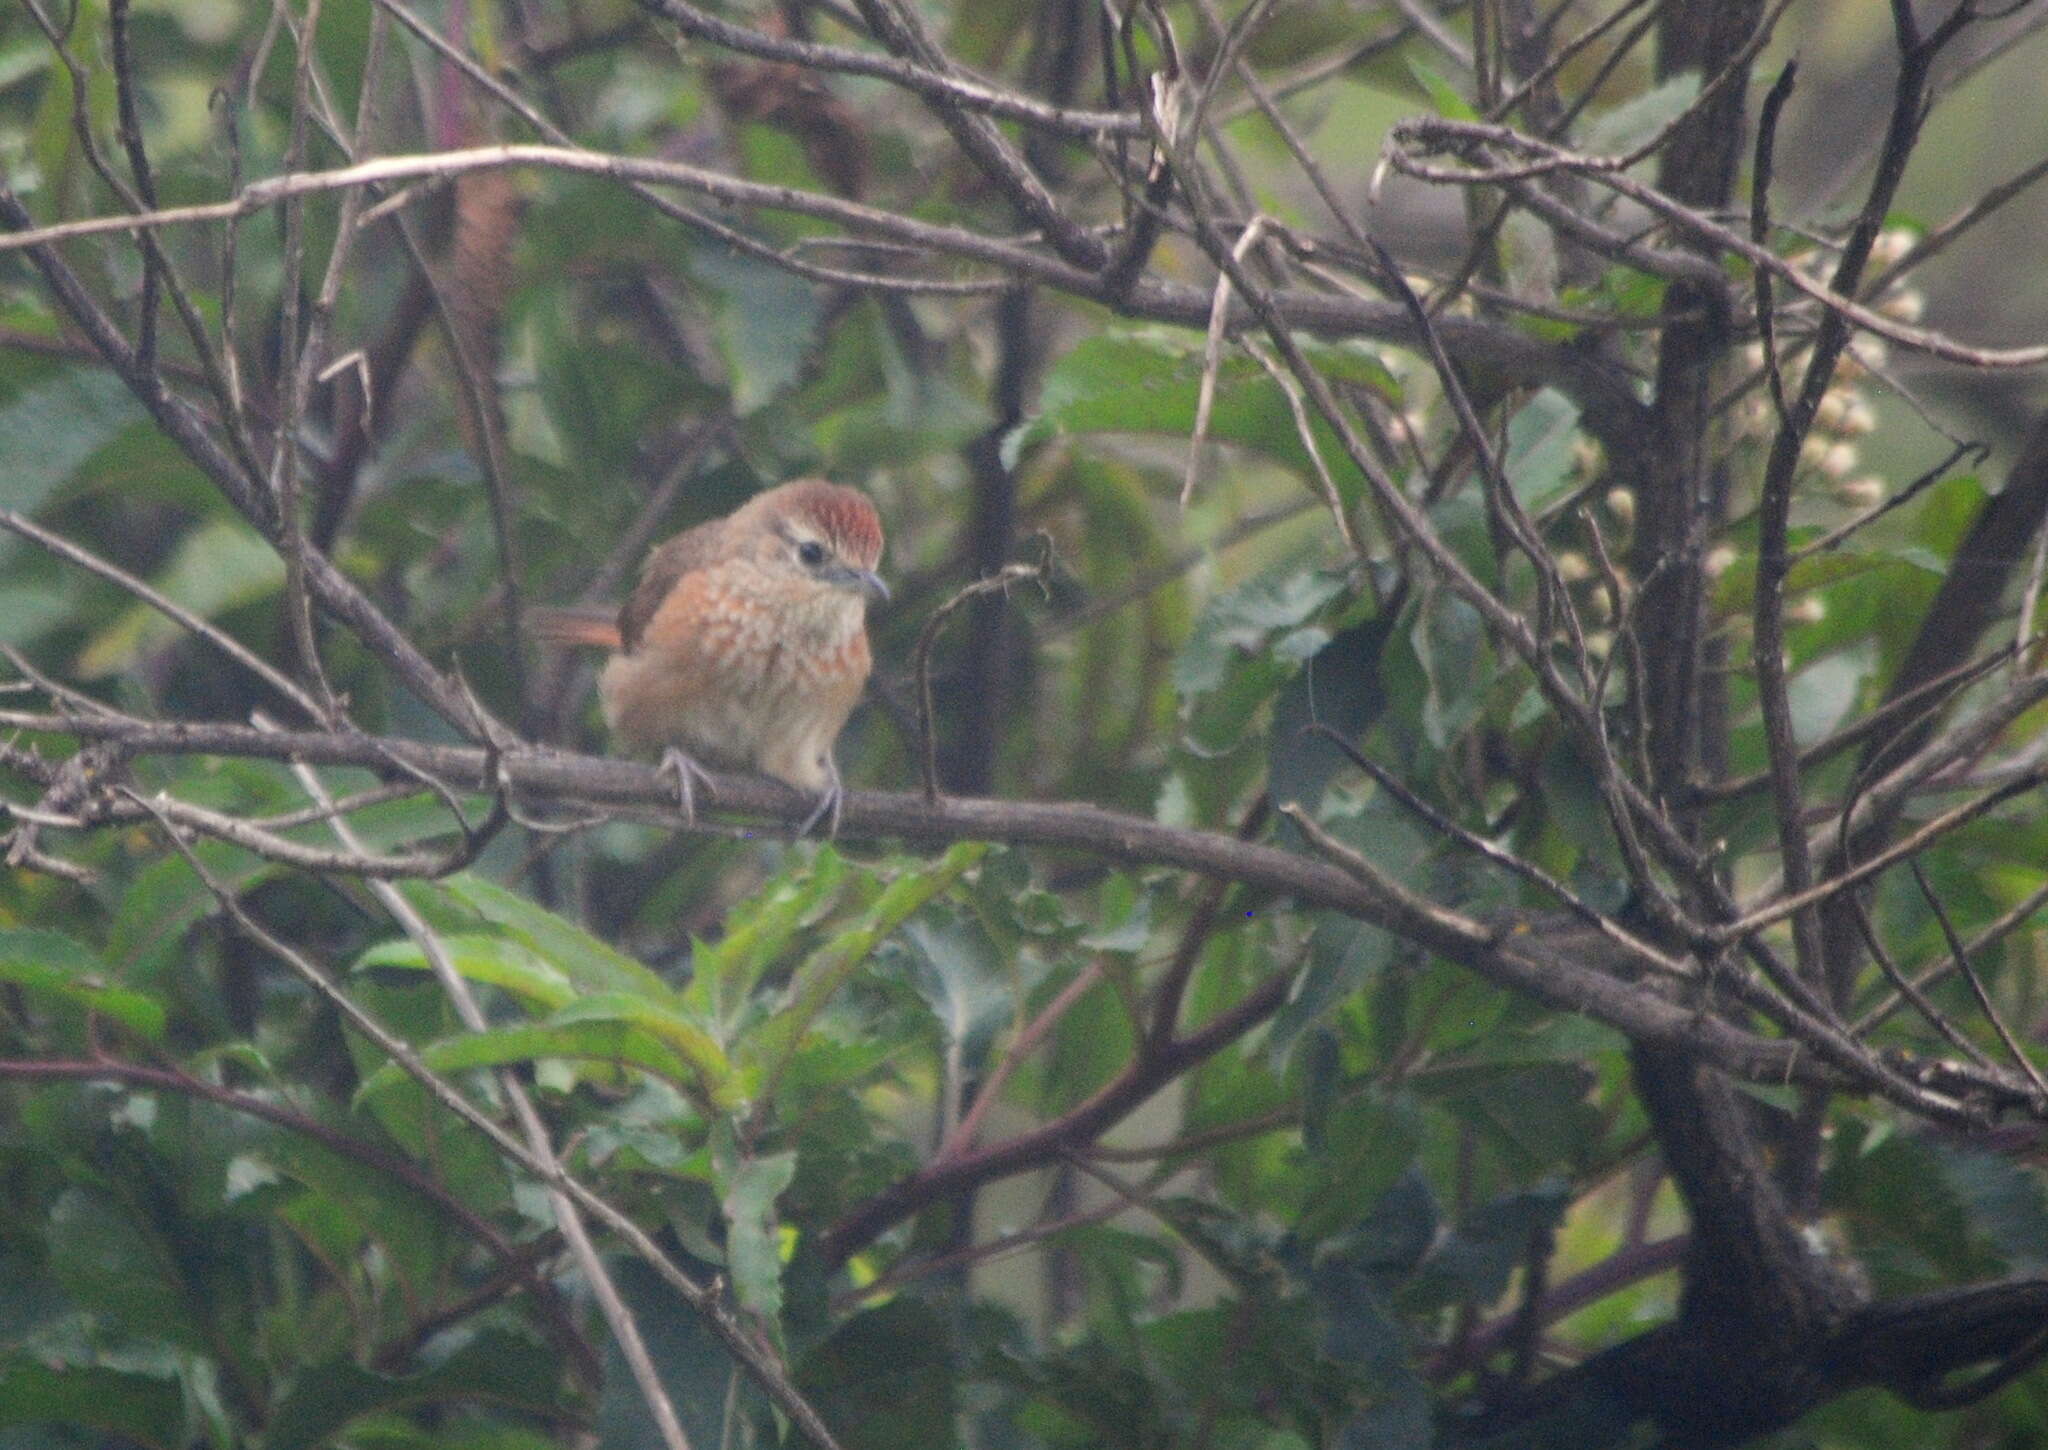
{"x": 1892, "y": 244}
{"x": 1621, "y": 502}
{"x": 1907, "y": 304}
{"x": 1807, "y": 609}
{"x": 1829, "y": 458}
{"x": 1865, "y": 355}
{"x": 1718, "y": 560}
{"x": 1839, "y": 461}
{"x": 1572, "y": 566}
{"x": 1835, "y": 404}
{"x": 1862, "y": 493}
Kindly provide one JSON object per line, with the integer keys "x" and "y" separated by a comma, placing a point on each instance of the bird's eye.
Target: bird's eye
{"x": 811, "y": 552}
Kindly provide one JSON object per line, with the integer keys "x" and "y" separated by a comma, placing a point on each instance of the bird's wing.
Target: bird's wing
{"x": 666, "y": 565}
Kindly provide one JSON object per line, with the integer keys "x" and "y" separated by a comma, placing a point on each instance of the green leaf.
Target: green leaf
{"x": 693, "y": 1047}
{"x": 1357, "y": 1153}
{"x": 1344, "y": 955}
{"x": 1340, "y": 688}
{"x": 829, "y": 968}
{"x": 611, "y": 1039}
{"x": 1449, "y": 103}
{"x": 885, "y": 1380}
{"x": 954, "y": 967}
{"x": 1450, "y": 643}
{"x": 121, "y": 1268}
{"x": 1245, "y": 619}
{"x": 1473, "y": 1264}
{"x": 217, "y": 567}
{"x": 753, "y": 1253}
{"x": 592, "y": 965}
{"x": 1634, "y": 122}
{"x": 1823, "y": 694}
{"x": 496, "y": 961}
{"x": 1403, "y": 1420}
{"x": 59, "y": 969}
{"x": 1127, "y": 918}
{"x": 695, "y": 1368}
{"x": 141, "y": 1408}
{"x": 1538, "y": 461}
{"x": 758, "y": 932}
{"x": 1149, "y": 381}
{"x": 766, "y": 323}
{"x": 1248, "y": 643}
{"x": 323, "y": 1400}
{"x": 48, "y": 432}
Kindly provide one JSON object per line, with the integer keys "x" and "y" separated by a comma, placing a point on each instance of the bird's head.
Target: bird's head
{"x": 823, "y": 532}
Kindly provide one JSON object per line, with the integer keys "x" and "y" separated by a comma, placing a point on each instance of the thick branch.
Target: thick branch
{"x": 1565, "y": 968}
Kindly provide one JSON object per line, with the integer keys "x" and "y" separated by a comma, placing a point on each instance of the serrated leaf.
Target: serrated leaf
{"x": 954, "y": 968}
{"x": 752, "y": 1245}
{"x": 758, "y": 933}
{"x": 1243, "y": 620}
{"x": 826, "y": 970}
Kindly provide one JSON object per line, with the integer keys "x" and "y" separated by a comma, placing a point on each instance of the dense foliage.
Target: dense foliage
{"x": 1473, "y": 884}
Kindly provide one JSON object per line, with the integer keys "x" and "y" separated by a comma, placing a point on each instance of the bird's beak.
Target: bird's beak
{"x": 860, "y": 581}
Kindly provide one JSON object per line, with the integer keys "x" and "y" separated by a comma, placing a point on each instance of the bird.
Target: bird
{"x": 744, "y": 645}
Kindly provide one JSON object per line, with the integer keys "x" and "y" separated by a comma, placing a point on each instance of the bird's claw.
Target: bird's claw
{"x": 828, "y": 806}
{"x": 687, "y": 773}
{"x": 827, "y": 810}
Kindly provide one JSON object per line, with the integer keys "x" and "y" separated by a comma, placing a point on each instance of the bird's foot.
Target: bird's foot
{"x": 829, "y": 804}
{"x": 687, "y": 774}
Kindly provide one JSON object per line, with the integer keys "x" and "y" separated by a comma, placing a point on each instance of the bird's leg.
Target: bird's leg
{"x": 829, "y": 802}
{"x": 687, "y": 772}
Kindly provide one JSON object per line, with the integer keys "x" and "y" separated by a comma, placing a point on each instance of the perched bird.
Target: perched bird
{"x": 745, "y": 646}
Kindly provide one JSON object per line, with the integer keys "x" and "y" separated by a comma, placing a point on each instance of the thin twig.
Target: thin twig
{"x": 1961, "y": 957}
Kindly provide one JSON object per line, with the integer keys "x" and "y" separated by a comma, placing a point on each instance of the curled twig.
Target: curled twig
{"x": 998, "y": 582}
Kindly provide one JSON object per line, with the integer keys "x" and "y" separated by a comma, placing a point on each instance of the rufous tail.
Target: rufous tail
{"x": 597, "y": 628}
